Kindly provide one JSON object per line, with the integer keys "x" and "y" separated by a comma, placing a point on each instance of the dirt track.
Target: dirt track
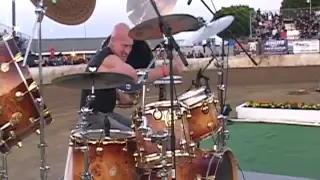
{"x": 244, "y": 84}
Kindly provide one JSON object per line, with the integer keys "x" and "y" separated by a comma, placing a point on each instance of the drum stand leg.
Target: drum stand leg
{"x": 161, "y": 138}
{"x": 4, "y": 167}
{"x": 162, "y": 92}
{"x": 40, "y": 12}
{"x": 86, "y": 175}
{"x": 221, "y": 142}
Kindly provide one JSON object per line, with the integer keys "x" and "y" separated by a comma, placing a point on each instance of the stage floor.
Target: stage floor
{"x": 245, "y": 84}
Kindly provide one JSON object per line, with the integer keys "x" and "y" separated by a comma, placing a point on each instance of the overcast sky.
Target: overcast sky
{"x": 107, "y": 14}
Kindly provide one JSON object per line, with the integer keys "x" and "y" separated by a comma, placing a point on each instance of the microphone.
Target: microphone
{"x": 189, "y": 2}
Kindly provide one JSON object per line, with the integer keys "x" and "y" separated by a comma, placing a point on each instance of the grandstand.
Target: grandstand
{"x": 286, "y": 24}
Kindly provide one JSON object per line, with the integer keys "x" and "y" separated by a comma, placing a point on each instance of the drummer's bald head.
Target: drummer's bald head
{"x": 120, "y": 42}
{"x": 120, "y": 31}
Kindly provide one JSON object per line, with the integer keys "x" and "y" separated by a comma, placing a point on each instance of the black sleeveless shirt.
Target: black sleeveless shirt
{"x": 139, "y": 58}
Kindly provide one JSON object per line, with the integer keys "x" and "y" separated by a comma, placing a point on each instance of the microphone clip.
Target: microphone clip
{"x": 200, "y": 79}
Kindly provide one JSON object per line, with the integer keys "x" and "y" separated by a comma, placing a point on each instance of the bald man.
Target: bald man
{"x": 121, "y": 54}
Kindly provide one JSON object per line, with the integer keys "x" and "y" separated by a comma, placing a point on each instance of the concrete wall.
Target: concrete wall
{"x": 194, "y": 64}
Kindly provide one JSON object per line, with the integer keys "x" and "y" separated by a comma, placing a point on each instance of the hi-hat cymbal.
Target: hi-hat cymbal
{"x": 142, "y": 10}
{"x": 150, "y": 29}
{"x": 100, "y": 80}
{"x": 68, "y": 12}
{"x": 211, "y": 29}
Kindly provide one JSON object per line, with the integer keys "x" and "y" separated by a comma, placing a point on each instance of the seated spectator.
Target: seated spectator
{"x": 307, "y": 23}
{"x": 267, "y": 25}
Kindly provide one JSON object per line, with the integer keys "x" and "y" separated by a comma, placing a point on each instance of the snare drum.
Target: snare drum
{"x": 203, "y": 118}
{"x": 110, "y": 157}
{"x": 206, "y": 165}
{"x": 19, "y": 111}
{"x": 159, "y": 118}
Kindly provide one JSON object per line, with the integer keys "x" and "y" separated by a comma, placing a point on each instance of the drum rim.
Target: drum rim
{"x": 209, "y": 100}
{"x": 158, "y": 104}
{"x": 106, "y": 139}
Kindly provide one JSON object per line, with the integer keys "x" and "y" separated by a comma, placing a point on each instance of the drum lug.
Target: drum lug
{"x": 19, "y": 144}
{"x": 205, "y": 108}
{"x": 192, "y": 146}
{"x": 183, "y": 143}
{"x": 99, "y": 150}
{"x": 1, "y": 110}
{"x": 12, "y": 134}
{"x": 226, "y": 134}
{"x": 32, "y": 120}
{"x": 19, "y": 96}
{"x": 125, "y": 148}
{"x": 198, "y": 177}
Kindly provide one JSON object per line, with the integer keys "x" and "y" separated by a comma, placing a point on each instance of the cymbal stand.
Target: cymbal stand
{"x": 86, "y": 175}
{"x": 161, "y": 138}
{"x": 223, "y": 134}
{"x": 4, "y": 167}
{"x": 144, "y": 127}
{"x": 172, "y": 45}
{"x": 86, "y": 110}
{"x": 40, "y": 12}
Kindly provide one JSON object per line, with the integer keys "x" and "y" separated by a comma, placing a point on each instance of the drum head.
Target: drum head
{"x": 195, "y": 100}
{"x": 191, "y": 93}
{"x": 100, "y": 135}
{"x": 160, "y": 104}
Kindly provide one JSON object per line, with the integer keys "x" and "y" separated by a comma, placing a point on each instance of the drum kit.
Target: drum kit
{"x": 165, "y": 136}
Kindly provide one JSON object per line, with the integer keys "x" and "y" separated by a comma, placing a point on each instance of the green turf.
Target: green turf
{"x": 276, "y": 149}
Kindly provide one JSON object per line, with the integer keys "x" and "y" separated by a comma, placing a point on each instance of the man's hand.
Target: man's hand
{"x": 126, "y": 100}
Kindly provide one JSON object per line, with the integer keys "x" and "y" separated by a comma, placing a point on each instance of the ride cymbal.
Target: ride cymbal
{"x": 150, "y": 29}
{"x": 142, "y": 10}
{"x": 68, "y": 12}
{"x": 100, "y": 80}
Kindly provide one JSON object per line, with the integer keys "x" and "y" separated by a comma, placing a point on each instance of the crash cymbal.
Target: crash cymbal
{"x": 102, "y": 80}
{"x": 68, "y": 12}
{"x": 142, "y": 10}
{"x": 150, "y": 29}
{"x": 211, "y": 29}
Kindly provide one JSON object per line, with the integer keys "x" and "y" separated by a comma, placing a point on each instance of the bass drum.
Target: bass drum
{"x": 206, "y": 165}
{"x": 19, "y": 110}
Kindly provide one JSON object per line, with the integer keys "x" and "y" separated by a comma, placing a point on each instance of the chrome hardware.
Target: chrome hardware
{"x": 205, "y": 108}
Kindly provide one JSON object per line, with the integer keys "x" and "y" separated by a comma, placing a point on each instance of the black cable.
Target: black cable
{"x": 243, "y": 176}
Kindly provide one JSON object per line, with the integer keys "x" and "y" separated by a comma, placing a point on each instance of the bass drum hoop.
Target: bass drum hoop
{"x": 234, "y": 162}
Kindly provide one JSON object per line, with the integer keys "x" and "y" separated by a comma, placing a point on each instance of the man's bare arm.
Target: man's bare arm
{"x": 114, "y": 64}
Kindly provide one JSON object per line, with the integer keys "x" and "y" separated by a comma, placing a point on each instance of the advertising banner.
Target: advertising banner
{"x": 271, "y": 47}
{"x": 306, "y": 46}
{"x": 250, "y": 47}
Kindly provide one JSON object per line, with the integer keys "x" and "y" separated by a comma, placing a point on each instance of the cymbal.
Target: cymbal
{"x": 101, "y": 80}
{"x": 150, "y": 29}
{"x": 142, "y": 10}
{"x": 211, "y": 29}
{"x": 68, "y": 12}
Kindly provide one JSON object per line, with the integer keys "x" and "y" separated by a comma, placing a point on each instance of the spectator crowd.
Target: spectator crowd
{"x": 272, "y": 25}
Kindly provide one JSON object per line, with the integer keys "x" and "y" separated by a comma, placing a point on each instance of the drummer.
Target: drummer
{"x": 121, "y": 54}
